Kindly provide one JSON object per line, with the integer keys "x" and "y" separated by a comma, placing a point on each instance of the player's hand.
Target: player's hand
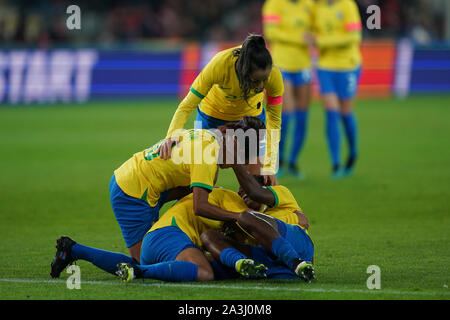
{"x": 302, "y": 219}
{"x": 165, "y": 149}
{"x": 270, "y": 180}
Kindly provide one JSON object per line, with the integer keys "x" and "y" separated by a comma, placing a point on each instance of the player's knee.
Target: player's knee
{"x": 245, "y": 220}
{"x": 205, "y": 273}
{"x": 207, "y": 237}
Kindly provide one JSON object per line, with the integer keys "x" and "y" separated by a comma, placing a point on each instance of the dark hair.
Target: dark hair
{"x": 252, "y": 55}
{"x": 247, "y": 123}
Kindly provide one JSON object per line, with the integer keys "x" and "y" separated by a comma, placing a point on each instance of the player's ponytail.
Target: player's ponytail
{"x": 252, "y": 55}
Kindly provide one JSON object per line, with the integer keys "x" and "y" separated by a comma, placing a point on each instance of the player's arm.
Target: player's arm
{"x": 352, "y": 29}
{"x": 274, "y": 90}
{"x": 199, "y": 89}
{"x": 178, "y": 193}
{"x": 272, "y": 19}
{"x": 205, "y": 209}
{"x": 253, "y": 188}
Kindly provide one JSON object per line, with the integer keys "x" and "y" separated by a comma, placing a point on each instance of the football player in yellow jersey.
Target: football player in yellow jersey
{"x": 230, "y": 87}
{"x": 285, "y": 23}
{"x": 141, "y": 185}
{"x": 337, "y": 35}
{"x": 172, "y": 249}
{"x": 281, "y": 232}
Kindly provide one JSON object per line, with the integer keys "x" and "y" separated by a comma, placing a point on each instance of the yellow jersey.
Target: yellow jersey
{"x": 337, "y": 25}
{"x": 284, "y": 207}
{"x": 217, "y": 92}
{"x": 285, "y": 22}
{"x": 193, "y": 163}
{"x": 182, "y": 214}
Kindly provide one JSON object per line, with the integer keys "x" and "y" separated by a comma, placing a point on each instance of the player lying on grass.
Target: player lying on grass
{"x": 176, "y": 236}
{"x": 285, "y": 246}
{"x": 140, "y": 187}
{"x": 172, "y": 249}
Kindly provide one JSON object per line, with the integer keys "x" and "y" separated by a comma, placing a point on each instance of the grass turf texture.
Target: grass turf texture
{"x": 394, "y": 212}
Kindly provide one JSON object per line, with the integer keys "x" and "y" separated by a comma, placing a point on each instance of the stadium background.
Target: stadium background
{"x": 78, "y": 102}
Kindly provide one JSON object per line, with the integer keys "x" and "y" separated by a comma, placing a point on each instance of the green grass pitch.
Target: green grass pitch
{"x": 56, "y": 163}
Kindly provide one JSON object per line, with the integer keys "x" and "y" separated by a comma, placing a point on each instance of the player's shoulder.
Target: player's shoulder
{"x": 280, "y": 188}
{"x": 275, "y": 76}
{"x": 281, "y": 193}
{"x": 348, "y": 4}
{"x": 309, "y": 3}
{"x": 225, "y": 57}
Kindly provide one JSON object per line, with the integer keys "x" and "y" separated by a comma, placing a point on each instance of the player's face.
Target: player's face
{"x": 258, "y": 77}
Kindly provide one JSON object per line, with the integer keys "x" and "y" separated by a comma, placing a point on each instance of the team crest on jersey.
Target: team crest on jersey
{"x": 339, "y": 15}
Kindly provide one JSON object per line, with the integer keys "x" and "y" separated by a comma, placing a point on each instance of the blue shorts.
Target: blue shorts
{"x": 342, "y": 83}
{"x": 164, "y": 244}
{"x": 203, "y": 121}
{"x": 298, "y": 239}
{"x": 135, "y": 216}
{"x": 298, "y": 78}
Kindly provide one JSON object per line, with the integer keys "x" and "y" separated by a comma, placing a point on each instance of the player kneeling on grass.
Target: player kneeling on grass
{"x": 281, "y": 232}
{"x": 201, "y": 176}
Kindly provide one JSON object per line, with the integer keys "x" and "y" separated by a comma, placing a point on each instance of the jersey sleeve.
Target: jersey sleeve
{"x": 283, "y": 197}
{"x": 203, "y": 167}
{"x": 199, "y": 89}
{"x": 274, "y": 92}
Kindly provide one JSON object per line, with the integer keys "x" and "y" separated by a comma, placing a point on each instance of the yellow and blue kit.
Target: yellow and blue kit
{"x": 285, "y": 23}
{"x": 180, "y": 228}
{"x": 139, "y": 187}
{"x": 337, "y": 26}
{"x": 217, "y": 94}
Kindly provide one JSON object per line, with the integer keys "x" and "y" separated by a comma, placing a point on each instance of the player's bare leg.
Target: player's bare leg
{"x": 215, "y": 242}
{"x": 194, "y": 255}
{"x": 135, "y": 251}
{"x": 264, "y": 229}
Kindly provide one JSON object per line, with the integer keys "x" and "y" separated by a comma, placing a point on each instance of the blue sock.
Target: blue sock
{"x": 230, "y": 256}
{"x": 221, "y": 272}
{"x": 284, "y": 251}
{"x": 105, "y": 260}
{"x": 176, "y": 270}
{"x": 351, "y": 132}
{"x": 285, "y": 119}
{"x": 333, "y": 136}
{"x": 301, "y": 117}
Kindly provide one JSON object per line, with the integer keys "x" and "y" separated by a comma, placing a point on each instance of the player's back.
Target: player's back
{"x": 193, "y": 162}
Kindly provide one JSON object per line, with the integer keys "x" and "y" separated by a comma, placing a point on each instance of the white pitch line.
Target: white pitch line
{"x": 234, "y": 287}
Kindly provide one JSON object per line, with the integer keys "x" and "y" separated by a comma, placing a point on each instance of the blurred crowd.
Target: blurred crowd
{"x": 43, "y": 22}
